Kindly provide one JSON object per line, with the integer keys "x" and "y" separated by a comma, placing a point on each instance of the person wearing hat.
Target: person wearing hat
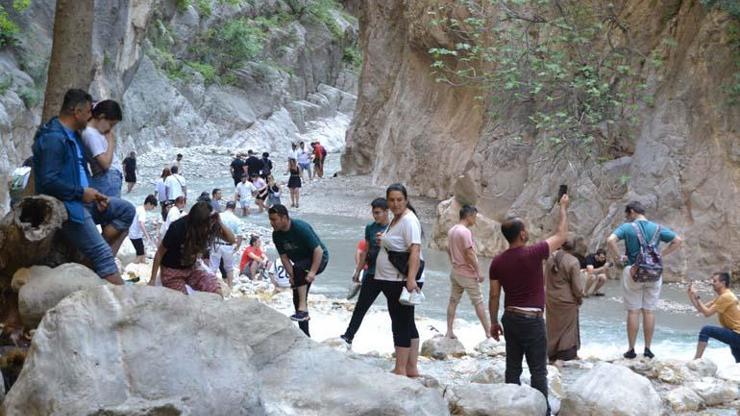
{"x": 224, "y": 250}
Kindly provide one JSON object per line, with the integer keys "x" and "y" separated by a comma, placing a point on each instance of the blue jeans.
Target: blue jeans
{"x": 87, "y": 239}
{"x": 108, "y": 183}
{"x": 725, "y": 335}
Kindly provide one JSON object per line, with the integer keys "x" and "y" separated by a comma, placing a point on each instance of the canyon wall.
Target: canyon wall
{"x": 682, "y": 157}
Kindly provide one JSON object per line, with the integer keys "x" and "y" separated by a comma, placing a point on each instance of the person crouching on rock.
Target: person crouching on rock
{"x": 186, "y": 242}
{"x": 303, "y": 255}
{"x": 564, "y": 296}
{"x": 727, "y": 307}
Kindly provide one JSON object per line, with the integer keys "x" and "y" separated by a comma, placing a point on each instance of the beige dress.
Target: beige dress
{"x": 564, "y": 290}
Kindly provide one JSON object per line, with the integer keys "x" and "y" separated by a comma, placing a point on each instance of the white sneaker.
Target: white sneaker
{"x": 405, "y": 298}
{"x": 417, "y": 297}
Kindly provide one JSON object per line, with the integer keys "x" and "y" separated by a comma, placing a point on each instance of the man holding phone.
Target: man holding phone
{"x": 61, "y": 172}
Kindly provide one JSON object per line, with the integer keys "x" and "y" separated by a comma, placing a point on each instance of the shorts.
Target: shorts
{"x": 460, "y": 284}
{"x": 243, "y": 203}
{"x": 108, "y": 183}
{"x": 130, "y": 178}
{"x": 640, "y": 295}
{"x": 305, "y": 166}
{"x": 138, "y": 246}
{"x": 300, "y": 271}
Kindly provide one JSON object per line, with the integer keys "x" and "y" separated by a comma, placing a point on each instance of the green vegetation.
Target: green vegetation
{"x": 8, "y": 28}
{"x": 352, "y": 56}
{"x": 564, "y": 60}
{"x": 6, "y": 81}
{"x": 321, "y": 10}
{"x": 732, "y": 7}
{"x": 31, "y": 96}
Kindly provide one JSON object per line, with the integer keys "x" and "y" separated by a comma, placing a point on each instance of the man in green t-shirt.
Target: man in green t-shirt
{"x": 304, "y": 257}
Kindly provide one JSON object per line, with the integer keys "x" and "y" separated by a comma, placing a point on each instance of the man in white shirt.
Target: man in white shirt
{"x": 137, "y": 232}
{"x": 225, "y": 250}
{"x": 175, "y": 185}
{"x": 244, "y": 192}
{"x": 174, "y": 214}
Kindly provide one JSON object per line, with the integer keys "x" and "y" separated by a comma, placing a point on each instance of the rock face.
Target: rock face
{"x": 299, "y": 81}
{"x": 682, "y": 159}
{"x": 441, "y": 348}
{"x": 610, "y": 389}
{"x": 143, "y": 350}
{"x": 497, "y": 400}
{"x": 40, "y": 288}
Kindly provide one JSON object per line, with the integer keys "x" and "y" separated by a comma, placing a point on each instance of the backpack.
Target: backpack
{"x": 648, "y": 266}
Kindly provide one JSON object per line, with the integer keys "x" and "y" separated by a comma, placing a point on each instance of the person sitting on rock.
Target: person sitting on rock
{"x": 186, "y": 243}
{"x": 564, "y": 296}
{"x": 518, "y": 270}
{"x": 595, "y": 267}
{"x": 727, "y": 307}
{"x": 61, "y": 172}
{"x": 254, "y": 260}
{"x": 100, "y": 148}
{"x": 303, "y": 255}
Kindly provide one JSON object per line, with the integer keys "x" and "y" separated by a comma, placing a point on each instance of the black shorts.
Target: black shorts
{"x": 130, "y": 178}
{"x": 138, "y": 246}
{"x": 301, "y": 268}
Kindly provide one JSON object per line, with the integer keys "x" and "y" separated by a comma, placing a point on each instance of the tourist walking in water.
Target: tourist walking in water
{"x": 266, "y": 166}
{"x": 261, "y": 192}
{"x": 273, "y": 192}
{"x": 243, "y": 195}
{"x": 303, "y": 255}
{"x": 465, "y": 275}
{"x": 641, "y": 293}
{"x": 177, "y": 163}
{"x": 564, "y": 296}
{"x": 187, "y": 242}
{"x": 253, "y": 164}
{"x": 294, "y": 183}
{"x": 175, "y": 185}
{"x": 223, "y": 250}
{"x": 100, "y": 148}
{"x": 138, "y": 232}
{"x": 237, "y": 168}
{"x": 726, "y": 306}
{"x": 369, "y": 289}
{"x": 217, "y": 201}
{"x": 129, "y": 171}
{"x": 319, "y": 154}
{"x": 402, "y": 240}
{"x": 518, "y": 271}
{"x": 61, "y": 172}
{"x": 304, "y": 160}
{"x": 595, "y": 268}
{"x": 160, "y": 190}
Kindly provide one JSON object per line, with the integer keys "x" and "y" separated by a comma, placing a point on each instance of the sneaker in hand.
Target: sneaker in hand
{"x": 417, "y": 297}
{"x": 354, "y": 289}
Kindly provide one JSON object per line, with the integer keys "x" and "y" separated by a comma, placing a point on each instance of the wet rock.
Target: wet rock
{"x": 496, "y": 400}
{"x": 684, "y": 399}
{"x": 715, "y": 391}
{"x": 610, "y": 389}
{"x": 490, "y": 373}
{"x": 155, "y": 348}
{"x": 442, "y": 348}
{"x": 43, "y": 287}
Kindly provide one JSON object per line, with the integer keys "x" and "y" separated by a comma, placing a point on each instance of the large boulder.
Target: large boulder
{"x": 496, "y": 400}
{"x": 490, "y": 373}
{"x": 40, "y": 288}
{"x": 683, "y": 399}
{"x": 715, "y": 391}
{"x": 610, "y": 389}
{"x": 440, "y": 347}
{"x": 151, "y": 350}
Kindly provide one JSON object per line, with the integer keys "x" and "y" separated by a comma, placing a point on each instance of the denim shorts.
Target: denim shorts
{"x": 305, "y": 166}
{"x": 120, "y": 214}
{"x": 108, "y": 183}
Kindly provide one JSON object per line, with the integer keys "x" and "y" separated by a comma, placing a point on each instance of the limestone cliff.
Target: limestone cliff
{"x": 682, "y": 157}
{"x": 163, "y": 60}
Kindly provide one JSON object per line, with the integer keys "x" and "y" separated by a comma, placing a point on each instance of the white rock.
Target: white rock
{"x": 496, "y": 400}
{"x": 491, "y": 347}
{"x": 715, "y": 391}
{"x": 441, "y": 348}
{"x": 336, "y": 343}
{"x": 610, "y": 389}
{"x": 141, "y": 270}
{"x": 110, "y": 348}
{"x": 730, "y": 373}
{"x": 683, "y": 399}
{"x": 554, "y": 381}
{"x": 490, "y": 373}
{"x": 702, "y": 367}
{"x": 43, "y": 287}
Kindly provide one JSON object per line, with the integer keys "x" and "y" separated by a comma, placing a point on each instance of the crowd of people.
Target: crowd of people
{"x": 74, "y": 160}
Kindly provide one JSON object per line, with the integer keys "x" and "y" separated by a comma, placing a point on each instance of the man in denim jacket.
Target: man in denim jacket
{"x": 61, "y": 172}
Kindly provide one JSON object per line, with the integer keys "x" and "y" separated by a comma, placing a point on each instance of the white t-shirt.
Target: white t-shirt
{"x": 173, "y": 215}
{"x": 95, "y": 145}
{"x": 174, "y": 184}
{"x": 135, "y": 231}
{"x": 161, "y": 190}
{"x": 303, "y": 156}
{"x": 244, "y": 190}
{"x": 232, "y": 221}
{"x": 400, "y": 237}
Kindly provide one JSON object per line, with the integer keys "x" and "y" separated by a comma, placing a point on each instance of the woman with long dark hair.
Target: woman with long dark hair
{"x": 403, "y": 235}
{"x": 100, "y": 148}
{"x": 186, "y": 242}
{"x": 160, "y": 189}
{"x": 294, "y": 182}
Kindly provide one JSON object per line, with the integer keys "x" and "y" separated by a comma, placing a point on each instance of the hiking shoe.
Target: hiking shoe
{"x": 630, "y": 354}
{"x": 300, "y": 316}
{"x": 648, "y": 354}
{"x": 346, "y": 341}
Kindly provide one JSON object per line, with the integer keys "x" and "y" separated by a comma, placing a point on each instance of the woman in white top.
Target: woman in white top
{"x": 173, "y": 214}
{"x": 402, "y": 235}
{"x": 160, "y": 190}
{"x": 100, "y": 148}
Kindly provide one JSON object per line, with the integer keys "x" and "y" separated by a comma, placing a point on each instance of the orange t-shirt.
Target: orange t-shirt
{"x": 245, "y": 256}
{"x": 362, "y": 246}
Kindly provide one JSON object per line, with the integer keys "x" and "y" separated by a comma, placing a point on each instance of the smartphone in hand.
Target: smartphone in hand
{"x": 562, "y": 191}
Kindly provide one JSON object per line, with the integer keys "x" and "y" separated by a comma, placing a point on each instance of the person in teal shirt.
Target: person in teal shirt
{"x": 303, "y": 255}
{"x": 640, "y": 297}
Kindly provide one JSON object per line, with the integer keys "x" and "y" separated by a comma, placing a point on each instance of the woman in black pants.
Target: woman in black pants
{"x": 403, "y": 234}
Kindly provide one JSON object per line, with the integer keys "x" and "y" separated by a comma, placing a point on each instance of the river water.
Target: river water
{"x": 338, "y": 209}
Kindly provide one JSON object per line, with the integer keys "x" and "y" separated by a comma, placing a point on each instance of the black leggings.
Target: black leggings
{"x": 368, "y": 293}
{"x": 402, "y": 316}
